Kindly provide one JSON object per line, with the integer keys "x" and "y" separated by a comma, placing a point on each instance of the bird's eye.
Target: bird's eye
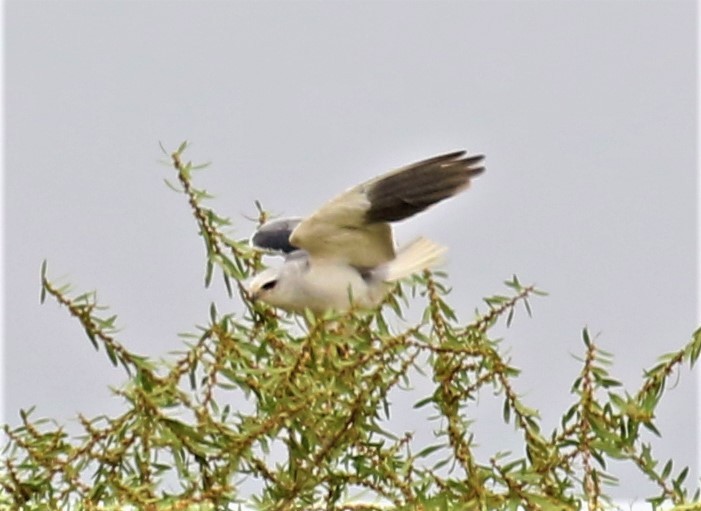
{"x": 269, "y": 285}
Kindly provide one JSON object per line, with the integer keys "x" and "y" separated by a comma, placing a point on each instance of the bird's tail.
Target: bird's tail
{"x": 417, "y": 256}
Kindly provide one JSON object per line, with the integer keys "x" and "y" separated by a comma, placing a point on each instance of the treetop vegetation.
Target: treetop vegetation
{"x": 264, "y": 410}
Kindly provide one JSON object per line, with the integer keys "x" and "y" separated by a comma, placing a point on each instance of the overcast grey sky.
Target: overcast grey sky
{"x": 585, "y": 110}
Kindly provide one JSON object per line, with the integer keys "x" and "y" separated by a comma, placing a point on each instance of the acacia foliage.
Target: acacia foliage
{"x": 295, "y": 409}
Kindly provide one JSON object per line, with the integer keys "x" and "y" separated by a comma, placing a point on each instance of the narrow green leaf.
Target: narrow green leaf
{"x": 423, "y": 402}
{"x": 144, "y": 380}
{"x": 585, "y": 336}
{"x": 682, "y": 475}
{"x": 208, "y": 273}
{"x": 429, "y": 450}
{"x": 111, "y": 354}
{"x": 91, "y": 336}
{"x": 667, "y": 469}
{"x": 447, "y": 311}
{"x": 507, "y": 411}
{"x": 172, "y": 186}
{"x": 227, "y": 284}
{"x": 201, "y": 166}
{"x": 42, "y": 297}
{"x": 651, "y": 427}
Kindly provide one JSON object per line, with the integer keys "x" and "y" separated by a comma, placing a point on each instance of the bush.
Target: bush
{"x": 310, "y": 397}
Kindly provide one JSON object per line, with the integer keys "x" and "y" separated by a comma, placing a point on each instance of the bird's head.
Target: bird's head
{"x": 272, "y": 287}
{"x": 263, "y": 285}
{"x": 282, "y": 287}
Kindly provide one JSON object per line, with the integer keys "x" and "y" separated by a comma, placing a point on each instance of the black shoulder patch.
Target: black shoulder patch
{"x": 275, "y": 235}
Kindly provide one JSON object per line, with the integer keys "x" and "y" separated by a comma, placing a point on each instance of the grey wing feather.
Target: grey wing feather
{"x": 274, "y": 236}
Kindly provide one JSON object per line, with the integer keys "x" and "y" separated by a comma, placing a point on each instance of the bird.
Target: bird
{"x": 343, "y": 255}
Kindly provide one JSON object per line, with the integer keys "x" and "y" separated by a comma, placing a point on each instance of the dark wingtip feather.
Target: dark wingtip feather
{"x": 412, "y": 189}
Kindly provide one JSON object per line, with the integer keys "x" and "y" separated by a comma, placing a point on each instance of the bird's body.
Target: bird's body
{"x": 343, "y": 255}
{"x": 301, "y": 284}
{"x": 320, "y": 284}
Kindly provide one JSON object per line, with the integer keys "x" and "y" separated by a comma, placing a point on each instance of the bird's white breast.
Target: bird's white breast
{"x": 331, "y": 284}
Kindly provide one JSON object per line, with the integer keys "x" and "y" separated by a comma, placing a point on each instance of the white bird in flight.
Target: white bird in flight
{"x": 343, "y": 255}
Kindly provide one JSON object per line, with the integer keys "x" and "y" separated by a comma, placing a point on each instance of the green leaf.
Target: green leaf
{"x": 208, "y": 273}
{"x": 423, "y": 402}
{"x": 429, "y": 450}
{"x": 91, "y": 336}
{"x": 183, "y": 145}
{"x": 201, "y": 166}
{"x": 227, "y": 285}
{"x": 682, "y": 475}
{"x": 172, "y": 186}
{"x": 507, "y": 411}
{"x": 608, "y": 382}
{"x": 42, "y": 297}
{"x": 651, "y": 427}
{"x": 144, "y": 380}
{"x": 667, "y": 469}
{"x": 447, "y": 311}
{"x": 110, "y": 353}
{"x": 513, "y": 283}
{"x": 587, "y": 339}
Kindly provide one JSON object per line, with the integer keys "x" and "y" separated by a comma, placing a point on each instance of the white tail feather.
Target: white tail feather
{"x": 417, "y": 256}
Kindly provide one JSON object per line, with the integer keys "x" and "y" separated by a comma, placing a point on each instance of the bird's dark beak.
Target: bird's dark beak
{"x": 253, "y": 296}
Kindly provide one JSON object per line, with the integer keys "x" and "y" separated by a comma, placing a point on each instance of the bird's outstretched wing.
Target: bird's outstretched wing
{"x": 354, "y": 227}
